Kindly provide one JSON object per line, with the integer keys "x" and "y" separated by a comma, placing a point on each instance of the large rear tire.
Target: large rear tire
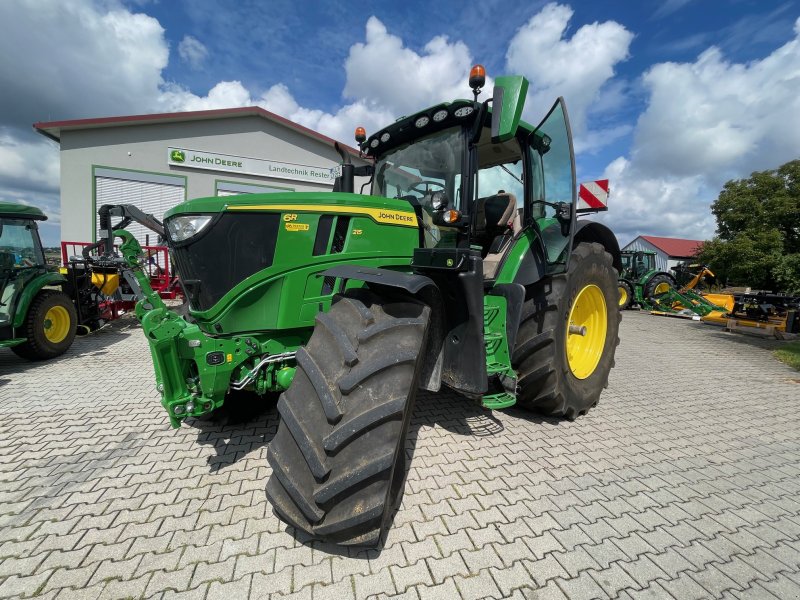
{"x": 559, "y": 375}
{"x": 49, "y": 326}
{"x": 339, "y": 454}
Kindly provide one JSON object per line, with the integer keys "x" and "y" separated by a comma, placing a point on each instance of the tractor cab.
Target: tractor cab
{"x": 37, "y": 319}
{"x": 21, "y": 256}
{"x": 636, "y": 264}
{"x": 475, "y": 176}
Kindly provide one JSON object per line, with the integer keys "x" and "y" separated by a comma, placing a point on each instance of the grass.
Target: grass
{"x": 790, "y": 354}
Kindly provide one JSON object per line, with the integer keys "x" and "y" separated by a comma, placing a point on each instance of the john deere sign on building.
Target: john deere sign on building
{"x": 158, "y": 161}
{"x": 197, "y": 159}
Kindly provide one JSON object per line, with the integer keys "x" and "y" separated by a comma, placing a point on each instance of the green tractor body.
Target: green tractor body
{"x": 37, "y": 320}
{"x": 464, "y": 267}
{"x": 640, "y": 282}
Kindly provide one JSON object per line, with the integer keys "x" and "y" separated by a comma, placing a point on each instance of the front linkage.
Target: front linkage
{"x": 193, "y": 370}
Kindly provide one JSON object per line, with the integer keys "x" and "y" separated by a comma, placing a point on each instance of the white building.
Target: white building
{"x": 157, "y": 161}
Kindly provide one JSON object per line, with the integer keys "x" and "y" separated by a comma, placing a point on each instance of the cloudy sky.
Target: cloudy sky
{"x": 668, "y": 98}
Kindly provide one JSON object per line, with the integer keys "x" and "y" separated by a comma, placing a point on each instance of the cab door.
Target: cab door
{"x": 553, "y": 194}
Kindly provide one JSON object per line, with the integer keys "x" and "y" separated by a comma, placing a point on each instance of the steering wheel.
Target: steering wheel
{"x": 427, "y": 184}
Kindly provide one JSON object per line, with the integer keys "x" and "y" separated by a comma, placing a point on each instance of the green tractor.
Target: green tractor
{"x": 640, "y": 283}
{"x": 37, "y": 319}
{"x": 465, "y": 266}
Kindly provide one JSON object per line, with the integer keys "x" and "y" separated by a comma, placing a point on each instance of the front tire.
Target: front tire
{"x": 49, "y": 326}
{"x": 560, "y": 375}
{"x": 658, "y": 285}
{"x": 625, "y": 294}
{"x": 338, "y": 456}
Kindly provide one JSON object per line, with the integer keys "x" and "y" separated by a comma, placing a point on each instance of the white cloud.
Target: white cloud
{"x": 414, "y": 80}
{"x": 721, "y": 118}
{"x": 705, "y": 122}
{"x": 225, "y": 94}
{"x": 76, "y": 58}
{"x": 32, "y": 164}
{"x": 339, "y": 125}
{"x": 654, "y": 205}
{"x": 192, "y": 51}
{"x": 577, "y": 67}
{"x": 383, "y": 72}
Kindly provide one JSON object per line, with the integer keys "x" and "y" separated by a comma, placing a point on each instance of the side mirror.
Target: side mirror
{"x": 508, "y": 99}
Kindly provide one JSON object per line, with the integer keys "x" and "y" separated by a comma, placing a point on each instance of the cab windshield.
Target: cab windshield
{"x": 426, "y": 172}
{"x": 19, "y": 245}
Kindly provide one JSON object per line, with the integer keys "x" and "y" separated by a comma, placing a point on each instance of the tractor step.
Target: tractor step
{"x": 498, "y": 401}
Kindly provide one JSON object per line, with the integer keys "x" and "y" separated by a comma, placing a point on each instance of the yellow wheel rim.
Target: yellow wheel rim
{"x": 56, "y": 324}
{"x": 623, "y": 296}
{"x": 586, "y": 331}
{"x": 661, "y": 288}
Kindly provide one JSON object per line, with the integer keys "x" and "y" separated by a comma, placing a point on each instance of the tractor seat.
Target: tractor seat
{"x": 493, "y": 214}
{"x": 496, "y": 221}
{"x": 7, "y": 260}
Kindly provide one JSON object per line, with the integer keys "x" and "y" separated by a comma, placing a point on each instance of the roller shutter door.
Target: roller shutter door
{"x": 151, "y": 197}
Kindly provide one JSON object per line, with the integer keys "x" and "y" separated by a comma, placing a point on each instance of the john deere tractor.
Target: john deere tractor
{"x": 464, "y": 267}
{"x": 37, "y": 319}
{"x": 639, "y": 280}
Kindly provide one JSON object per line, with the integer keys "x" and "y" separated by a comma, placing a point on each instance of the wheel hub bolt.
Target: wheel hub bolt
{"x": 578, "y": 329}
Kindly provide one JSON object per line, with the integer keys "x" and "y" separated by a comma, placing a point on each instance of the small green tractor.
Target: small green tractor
{"x": 640, "y": 282}
{"x": 37, "y": 318}
{"x": 41, "y": 310}
{"x": 464, "y": 267}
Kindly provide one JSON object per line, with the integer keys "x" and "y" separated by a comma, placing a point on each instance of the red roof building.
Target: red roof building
{"x": 675, "y": 247}
{"x": 669, "y": 251}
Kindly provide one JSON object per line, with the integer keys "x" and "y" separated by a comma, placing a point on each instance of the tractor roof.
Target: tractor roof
{"x": 21, "y": 211}
{"x": 405, "y": 129}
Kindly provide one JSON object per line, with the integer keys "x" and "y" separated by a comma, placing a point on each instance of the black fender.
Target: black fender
{"x": 455, "y": 352}
{"x": 592, "y": 231}
{"x": 388, "y": 282}
{"x": 411, "y": 283}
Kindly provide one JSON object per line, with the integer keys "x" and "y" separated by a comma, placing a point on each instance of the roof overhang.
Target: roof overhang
{"x": 54, "y": 129}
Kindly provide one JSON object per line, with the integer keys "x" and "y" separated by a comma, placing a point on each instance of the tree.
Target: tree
{"x": 758, "y": 231}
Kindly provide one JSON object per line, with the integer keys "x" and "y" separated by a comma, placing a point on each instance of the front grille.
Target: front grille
{"x": 231, "y": 249}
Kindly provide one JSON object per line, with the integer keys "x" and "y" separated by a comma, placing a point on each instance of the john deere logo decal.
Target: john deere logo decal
{"x": 177, "y": 156}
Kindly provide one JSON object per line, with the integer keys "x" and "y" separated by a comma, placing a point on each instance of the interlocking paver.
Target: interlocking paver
{"x": 667, "y": 487}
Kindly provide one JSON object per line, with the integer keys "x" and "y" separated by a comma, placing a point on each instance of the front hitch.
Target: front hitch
{"x": 193, "y": 370}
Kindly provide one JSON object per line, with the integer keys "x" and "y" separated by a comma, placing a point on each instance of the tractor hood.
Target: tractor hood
{"x": 377, "y": 207}
{"x": 252, "y": 262}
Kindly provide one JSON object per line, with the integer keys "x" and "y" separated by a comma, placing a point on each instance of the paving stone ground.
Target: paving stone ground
{"x": 683, "y": 482}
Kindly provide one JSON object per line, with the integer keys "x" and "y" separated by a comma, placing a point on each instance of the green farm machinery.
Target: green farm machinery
{"x": 640, "y": 282}
{"x": 41, "y": 307}
{"x": 38, "y": 319}
{"x": 465, "y": 266}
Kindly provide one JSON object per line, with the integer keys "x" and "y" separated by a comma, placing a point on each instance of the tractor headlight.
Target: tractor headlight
{"x": 182, "y": 228}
